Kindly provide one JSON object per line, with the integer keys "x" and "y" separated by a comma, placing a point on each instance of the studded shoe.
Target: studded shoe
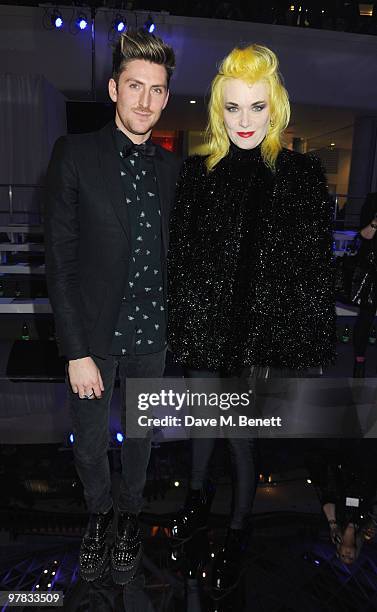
{"x": 127, "y": 550}
{"x": 94, "y": 550}
{"x": 194, "y": 515}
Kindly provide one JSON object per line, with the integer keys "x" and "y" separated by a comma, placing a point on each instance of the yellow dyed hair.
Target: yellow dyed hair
{"x": 251, "y": 64}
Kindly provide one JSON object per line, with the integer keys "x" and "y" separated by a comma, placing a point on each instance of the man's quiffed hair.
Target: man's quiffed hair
{"x": 138, "y": 44}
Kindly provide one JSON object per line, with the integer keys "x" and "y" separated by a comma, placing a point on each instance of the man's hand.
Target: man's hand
{"x": 85, "y": 378}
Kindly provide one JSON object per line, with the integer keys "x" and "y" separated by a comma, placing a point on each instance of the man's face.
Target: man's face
{"x": 246, "y": 112}
{"x": 140, "y": 97}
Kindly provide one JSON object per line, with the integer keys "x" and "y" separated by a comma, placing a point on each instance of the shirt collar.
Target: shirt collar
{"x": 123, "y": 140}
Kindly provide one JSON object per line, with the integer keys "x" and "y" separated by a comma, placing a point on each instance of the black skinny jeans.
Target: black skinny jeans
{"x": 90, "y": 420}
{"x": 242, "y": 455}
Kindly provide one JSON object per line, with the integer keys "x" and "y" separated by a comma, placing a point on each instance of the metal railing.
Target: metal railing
{"x": 24, "y": 203}
{"x": 20, "y": 203}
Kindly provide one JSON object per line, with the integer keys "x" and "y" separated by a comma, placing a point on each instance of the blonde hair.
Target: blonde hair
{"x": 251, "y": 64}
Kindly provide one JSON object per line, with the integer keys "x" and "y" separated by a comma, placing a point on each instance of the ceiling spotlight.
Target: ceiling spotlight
{"x": 149, "y": 25}
{"x": 120, "y": 24}
{"x": 81, "y": 21}
{"x": 56, "y": 19}
{"x": 192, "y": 101}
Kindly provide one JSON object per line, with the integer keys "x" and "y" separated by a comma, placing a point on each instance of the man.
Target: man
{"x": 108, "y": 200}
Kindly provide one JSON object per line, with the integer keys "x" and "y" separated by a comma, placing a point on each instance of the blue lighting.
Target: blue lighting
{"x": 150, "y": 25}
{"x": 82, "y": 23}
{"x": 71, "y": 438}
{"x": 119, "y": 437}
{"x": 119, "y": 25}
{"x": 58, "y": 22}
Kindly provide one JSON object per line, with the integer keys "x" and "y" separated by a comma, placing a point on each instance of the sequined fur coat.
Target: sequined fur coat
{"x": 250, "y": 264}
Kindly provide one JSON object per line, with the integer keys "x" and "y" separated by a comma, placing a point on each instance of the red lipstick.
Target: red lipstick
{"x": 245, "y": 134}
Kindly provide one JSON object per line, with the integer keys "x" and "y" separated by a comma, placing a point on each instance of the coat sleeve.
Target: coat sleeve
{"x": 62, "y": 245}
{"x": 180, "y": 220}
{"x": 304, "y": 304}
{"x": 181, "y": 235}
{"x": 317, "y": 276}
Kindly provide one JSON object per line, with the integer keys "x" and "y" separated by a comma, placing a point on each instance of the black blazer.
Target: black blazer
{"x": 87, "y": 237}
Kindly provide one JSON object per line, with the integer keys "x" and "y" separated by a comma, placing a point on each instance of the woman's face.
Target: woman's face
{"x": 246, "y": 112}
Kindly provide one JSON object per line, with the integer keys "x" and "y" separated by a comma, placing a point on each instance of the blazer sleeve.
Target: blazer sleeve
{"x": 62, "y": 231}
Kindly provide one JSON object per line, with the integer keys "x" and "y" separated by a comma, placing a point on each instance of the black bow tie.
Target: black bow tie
{"x": 145, "y": 148}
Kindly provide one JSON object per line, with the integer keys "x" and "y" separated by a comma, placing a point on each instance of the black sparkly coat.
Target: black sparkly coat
{"x": 250, "y": 267}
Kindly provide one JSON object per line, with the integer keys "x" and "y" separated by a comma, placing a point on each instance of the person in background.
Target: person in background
{"x": 367, "y": 311}
{"x": 345, "y": 476}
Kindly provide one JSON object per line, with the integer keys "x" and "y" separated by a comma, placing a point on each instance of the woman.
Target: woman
{"x": 250, "y": 273}
{"x": 368, "y": 259}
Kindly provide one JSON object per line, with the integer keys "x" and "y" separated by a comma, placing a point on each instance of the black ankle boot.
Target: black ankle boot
{"x": 194, "y": 514}
{"x": 359, "y": 369}
{"x": 127, "y": 550}
{"x": 94, "y": 549}
{"x": 230, "y": 562}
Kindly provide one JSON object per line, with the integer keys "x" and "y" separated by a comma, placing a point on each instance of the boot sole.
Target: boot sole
{"x": 123, "y": 577}
{"x": 92, "y": 576}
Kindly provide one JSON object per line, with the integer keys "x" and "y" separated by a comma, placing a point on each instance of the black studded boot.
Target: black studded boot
{"x": 127, "y": 550}
{"x": 94, "y": 549}
{"x": 194, "y": 515}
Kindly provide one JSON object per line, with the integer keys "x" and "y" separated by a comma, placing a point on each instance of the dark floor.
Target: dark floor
{"x": 292, "y": 565}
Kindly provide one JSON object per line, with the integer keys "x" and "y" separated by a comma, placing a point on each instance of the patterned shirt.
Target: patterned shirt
{"x": 141, "y": 326}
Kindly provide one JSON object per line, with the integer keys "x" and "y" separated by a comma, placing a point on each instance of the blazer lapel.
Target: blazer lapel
{"x": 110, "y": 167}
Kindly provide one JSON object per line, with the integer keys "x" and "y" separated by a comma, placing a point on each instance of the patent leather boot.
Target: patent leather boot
{"x": 194, "y": 515}
{"x": 126, "y": 553}
{"x": 230, "y": 562}
{"x": 94, "y": 549}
